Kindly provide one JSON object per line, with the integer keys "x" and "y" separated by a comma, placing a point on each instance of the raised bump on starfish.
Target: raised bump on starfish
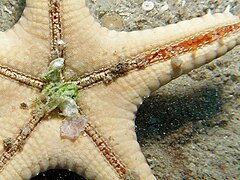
{"x": 110, "y": 107}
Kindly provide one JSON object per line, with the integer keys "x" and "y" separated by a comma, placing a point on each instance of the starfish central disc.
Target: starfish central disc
{"x": 62, "y": 95}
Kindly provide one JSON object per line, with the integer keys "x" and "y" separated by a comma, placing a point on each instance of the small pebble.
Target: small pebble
{"x": 112, "y": 22}
{"x": 147, "y": 5}
{"x": 23, "y": 105}
{"x": 73, "y": 126}
{"x": 164, "y": 7}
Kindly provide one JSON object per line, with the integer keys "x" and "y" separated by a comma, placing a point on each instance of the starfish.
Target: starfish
{"x": 113, "y": 72}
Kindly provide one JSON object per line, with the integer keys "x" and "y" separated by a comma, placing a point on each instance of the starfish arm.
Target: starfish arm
{"x": 162, "y": 54}
{"x": 113, "y": 112}
{"x": 130, "y": 44}
{"x": 113, "y": 105}
{"x": 177, "y": 62}
{"x": 25, "y": 46}
{"x": 91, "y": 47}
{"x": 170, "y": 51}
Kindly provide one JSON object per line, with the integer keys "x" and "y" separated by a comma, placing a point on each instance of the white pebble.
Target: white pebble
{"x": 72, "y": 127}
{"x": 164, "y": 7}
{"x": 69, "y": 108}
{"x": 147, "y": 5}
{"x": 57, "y": 63}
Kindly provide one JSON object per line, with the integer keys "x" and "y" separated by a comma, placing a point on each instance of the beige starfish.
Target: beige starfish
{"x": 115, "y": 70}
